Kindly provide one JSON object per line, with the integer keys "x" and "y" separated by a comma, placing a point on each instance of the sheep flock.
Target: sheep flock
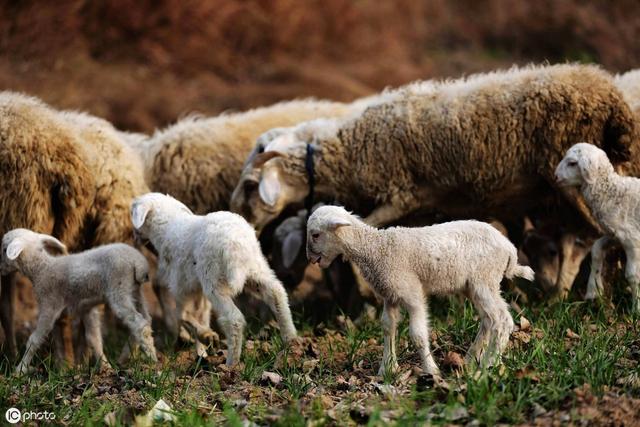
{"x": 473, "y": 186}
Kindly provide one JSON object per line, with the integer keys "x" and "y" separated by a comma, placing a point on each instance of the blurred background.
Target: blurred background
{"x": 144, "y": 63}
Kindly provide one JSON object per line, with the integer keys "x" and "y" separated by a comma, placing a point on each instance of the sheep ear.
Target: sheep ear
{"x": 291, "y": 248}
{"x": 139, "y": 215}
{"x": 14, "y": 249}
{"x": 54, "y": 246}
{"x": 269, "y": 188}
{"x": 337, "y": 223}
{"x": 587, "y": 170}
{"x": 264, "y": 157}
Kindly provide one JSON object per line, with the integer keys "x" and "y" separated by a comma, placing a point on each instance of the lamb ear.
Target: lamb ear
{"x": 139, "y": 214}
{"x": 587, "y": 170}
{"x": 54, "y": 246}
{"x": 334, "y": 224}
{"x": 14, "y": 249}
{"x": 291, "y": 248}
{"x": 269, "y": 188}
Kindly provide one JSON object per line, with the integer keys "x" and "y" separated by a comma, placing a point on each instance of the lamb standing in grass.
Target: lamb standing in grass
{"x": 215, "y": 254}
{"x": 615, "y": 203}
{"x": 111, "y": 274}
{"x": 406, "y": 265}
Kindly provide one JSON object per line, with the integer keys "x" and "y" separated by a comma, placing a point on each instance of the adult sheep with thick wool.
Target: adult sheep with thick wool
{"x": 615, "y": 203}
{"x": 66, "y": 174}
{"x": 216, "y": 254}
{"x": 406, "y": 265}
{"x": 482, "y": 147}
{"x": 198, "y": 160}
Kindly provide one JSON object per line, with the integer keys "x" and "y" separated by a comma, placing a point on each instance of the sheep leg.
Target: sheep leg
{"x": 384, "y": 215}
{"x": 93, "y": 334}
{"x": 7, "y": 290}
{"x": 390, "y": 318}
{"x": 131, "y": 345}
{"x": 140, "y": 328}
{"x": 496, "y": 326}
{"x": 166, "y": 301}
{"x": 632, "y": 274}
{"x": 231, "y": 322}
{"x": 419, "y": 333}
{"x": 595, "y": 285}
{"x": 572, "y": 256}
{"x": 46, "y": 321}
{"x": 273, "y": 294}
{"x": 197, "y": 321}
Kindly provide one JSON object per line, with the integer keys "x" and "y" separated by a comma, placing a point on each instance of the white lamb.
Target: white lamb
{"x": 614, "y": 201}
{"x": 215, "y": 254}
{"x": 406, "y": 265}
{"x": 111, "y": 274}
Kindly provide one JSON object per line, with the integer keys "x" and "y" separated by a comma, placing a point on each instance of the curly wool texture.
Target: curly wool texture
{"x": 629, "y": 85}
{"x": 47, "y": 185}
{"x": 67, "y": 174}
{"x": 483, "y": 146}
{"x": 199, "y": 160}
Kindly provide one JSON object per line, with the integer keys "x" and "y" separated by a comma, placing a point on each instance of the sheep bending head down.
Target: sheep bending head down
{"x": 215, "y": 254}
{"x": 406, "y": 265}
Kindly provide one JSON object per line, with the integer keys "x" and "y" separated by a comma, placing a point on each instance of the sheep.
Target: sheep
{"x": 198, "y": 160}
{"x": 111, "y": 274}
{"x": 556, "y": 253}
{"x": 613, "y": 200}
{"x": 64, "y": 173}
{"x": 481, "y": 147}
{"x": 406, "y": 265}
{"x": 214, "y": 254}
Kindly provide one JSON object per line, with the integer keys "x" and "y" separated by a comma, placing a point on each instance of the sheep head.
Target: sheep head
{"x": 275, "y": 179}
{"x": 324, "y": 242}
{"x": 582, "y": 164}
{"x": 152, "y": 210}
{"x": 19, "y": 242}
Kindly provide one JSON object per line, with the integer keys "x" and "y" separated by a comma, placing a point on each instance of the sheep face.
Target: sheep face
{"x": 582, "y": 164}
{"x": 262, "y": 197}
{"x": 323, "y": 240}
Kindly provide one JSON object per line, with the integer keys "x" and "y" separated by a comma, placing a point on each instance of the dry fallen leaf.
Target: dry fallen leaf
{"x": 572, "y": 335}
{"x": 525, "y": 325}
{"x": 453, "y": 360}
{"x": 270, "y": 378}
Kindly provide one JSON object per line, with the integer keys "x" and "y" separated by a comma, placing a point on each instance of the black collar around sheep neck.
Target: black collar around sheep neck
{"x": 311, "y": 175}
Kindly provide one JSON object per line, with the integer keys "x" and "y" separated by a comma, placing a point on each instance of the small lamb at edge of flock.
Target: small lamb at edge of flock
{"x": 614, "y": 201}
{"x": 215, "y": 254}
{"x": 111, "y": 274}
{"x": 406, "y": 265}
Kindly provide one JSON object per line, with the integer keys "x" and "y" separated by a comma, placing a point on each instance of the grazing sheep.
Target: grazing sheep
{"x": 111, "y": 274}
{"x": 484, "y": 146}
{"x": 614, "y": 201}
{"x": 406, "y": 265}
{"x": 198, "y": 160}
{"x": 215, "y": 254}
{"x": 66, "y": 174}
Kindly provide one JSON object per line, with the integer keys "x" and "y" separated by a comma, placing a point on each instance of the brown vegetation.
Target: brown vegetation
{"x": 143, "y": 63}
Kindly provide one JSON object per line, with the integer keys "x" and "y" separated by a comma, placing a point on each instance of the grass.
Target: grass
{"x": 574, "y": 353}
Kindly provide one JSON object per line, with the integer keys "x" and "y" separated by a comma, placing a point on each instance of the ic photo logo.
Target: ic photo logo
{"x": 13, "y": 415}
